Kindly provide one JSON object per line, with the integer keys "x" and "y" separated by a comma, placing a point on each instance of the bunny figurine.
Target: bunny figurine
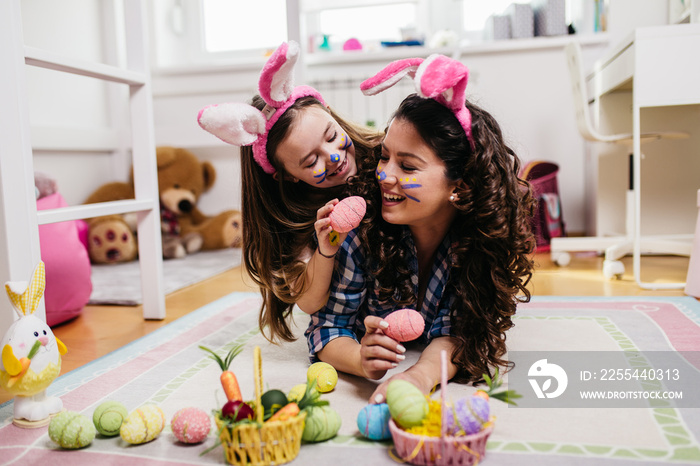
{"x": 31, "y": 355}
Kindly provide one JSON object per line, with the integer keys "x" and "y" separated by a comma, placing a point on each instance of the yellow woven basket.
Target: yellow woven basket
{"x": 276, "y": 442}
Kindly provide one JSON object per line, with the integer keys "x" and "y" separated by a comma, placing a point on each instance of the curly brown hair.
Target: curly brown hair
{"x": 490, "y": 258}
{"x": 278, "y": 218}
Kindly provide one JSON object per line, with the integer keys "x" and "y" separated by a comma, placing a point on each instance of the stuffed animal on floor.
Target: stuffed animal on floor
{"x": 182, "y": 179}
{"x": 31, "y": 354}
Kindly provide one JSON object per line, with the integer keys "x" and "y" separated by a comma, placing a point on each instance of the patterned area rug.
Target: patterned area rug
{"x": 167, "y": 368}
{"x": 120, "y": 284}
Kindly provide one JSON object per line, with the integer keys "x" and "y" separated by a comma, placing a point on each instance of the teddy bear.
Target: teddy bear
{"x": 182, "y": 179}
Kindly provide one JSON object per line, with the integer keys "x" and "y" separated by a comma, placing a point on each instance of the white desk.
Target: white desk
{"x": 661, "y": 67}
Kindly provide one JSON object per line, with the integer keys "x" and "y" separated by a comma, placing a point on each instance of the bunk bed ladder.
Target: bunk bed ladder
{"x": 19, "y": 220}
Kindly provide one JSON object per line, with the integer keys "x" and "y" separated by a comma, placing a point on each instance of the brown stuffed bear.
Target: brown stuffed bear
{"x": 182, "y": 179}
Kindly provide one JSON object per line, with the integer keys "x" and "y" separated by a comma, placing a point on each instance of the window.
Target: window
{"x": 243, "y": 25}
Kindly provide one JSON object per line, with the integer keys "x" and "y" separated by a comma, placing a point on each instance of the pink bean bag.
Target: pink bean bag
{"x": 68, "y": 282}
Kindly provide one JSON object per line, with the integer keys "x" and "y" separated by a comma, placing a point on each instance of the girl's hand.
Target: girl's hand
{"x": 379, "y": 352}
{"x": 327, "y": 245}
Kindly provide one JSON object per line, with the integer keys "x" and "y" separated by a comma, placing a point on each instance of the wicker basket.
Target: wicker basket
{"x": 443, "y": 450}
{"x": 276, "y": 442}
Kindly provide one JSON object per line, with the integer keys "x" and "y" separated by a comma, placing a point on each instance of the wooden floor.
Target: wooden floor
{"x": 102, "y": 329}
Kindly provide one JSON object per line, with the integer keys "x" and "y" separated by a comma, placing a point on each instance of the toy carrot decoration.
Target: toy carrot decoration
{"x": 228, "y": 379}
{"x": 287, "y": 412}
{"x": 25, "y": 362}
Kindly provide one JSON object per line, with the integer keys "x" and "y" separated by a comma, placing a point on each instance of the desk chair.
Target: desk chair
{"x": 615, "y": 247}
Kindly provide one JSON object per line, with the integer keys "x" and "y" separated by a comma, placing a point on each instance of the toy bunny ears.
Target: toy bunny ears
{"x": 437, "y": 77}
{"x": 25, "y": 297}
{"x": 242, "y": 124}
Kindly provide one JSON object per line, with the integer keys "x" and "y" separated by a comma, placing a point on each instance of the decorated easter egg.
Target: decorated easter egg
{"x": 71, "y": 430}
{"x": 373, "y": 421}
{"x": 108, "y": 418}
{"x": 143, "y": 425}
{"x": 273, "y": 400}
{"x": 404, "y": 325}
{"x": 324, "y": 374}
{"x": 237, "y": 410}
{"x": 322, "y": 423}
{"x": 471, "y": 413}
{"x": 348, "y": 213}
{"x": 407, "y": 404}
{"x": 190, "y": 425}
{"x": 296, "y": 393}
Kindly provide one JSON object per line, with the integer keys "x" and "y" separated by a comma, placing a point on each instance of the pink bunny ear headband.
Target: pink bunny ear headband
{"x": 244, "y": 125}
{"x": 437, "y": 77}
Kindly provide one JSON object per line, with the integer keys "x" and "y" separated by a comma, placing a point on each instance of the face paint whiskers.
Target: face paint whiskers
{"x": 410, "y": 183}
{"x": 320, "y": 174}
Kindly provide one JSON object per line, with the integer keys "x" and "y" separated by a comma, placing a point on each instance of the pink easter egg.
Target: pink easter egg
{"x": 404, "y": 325}
{"x": 348, "y": 213}
{"x": 191, "y": 425}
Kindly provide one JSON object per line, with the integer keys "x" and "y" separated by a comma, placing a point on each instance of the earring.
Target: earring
{"x": 453, "y": 198}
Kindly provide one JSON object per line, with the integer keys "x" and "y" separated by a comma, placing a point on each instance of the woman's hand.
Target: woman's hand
{"x": 378, "y": 352}
{"x": 327, "y": 245}
{"x": 423, "y": 383}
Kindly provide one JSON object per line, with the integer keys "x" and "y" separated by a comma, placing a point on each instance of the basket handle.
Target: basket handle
{"x": 257, "y": 369}
{"x": 443, "y": 390}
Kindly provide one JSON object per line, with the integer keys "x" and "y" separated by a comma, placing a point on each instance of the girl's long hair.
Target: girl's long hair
{"x": 492, "y": 238}
{"x": 278, "y": 219}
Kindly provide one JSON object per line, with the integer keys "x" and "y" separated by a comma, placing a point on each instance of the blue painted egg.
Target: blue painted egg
{"x": 373, "y": 422}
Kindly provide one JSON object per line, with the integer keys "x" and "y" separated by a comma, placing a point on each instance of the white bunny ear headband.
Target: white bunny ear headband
{"x": 242, "y": 124}
{"x": 437, "y": 77}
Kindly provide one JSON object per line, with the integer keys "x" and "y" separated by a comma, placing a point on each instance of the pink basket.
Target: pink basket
{"x": 443, "y": 450}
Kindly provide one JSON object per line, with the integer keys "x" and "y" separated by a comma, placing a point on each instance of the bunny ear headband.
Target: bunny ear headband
{"x": 437, "y": 77}
{"x": 244, "y": 125}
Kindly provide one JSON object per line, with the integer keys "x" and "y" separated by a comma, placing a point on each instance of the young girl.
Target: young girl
{"x": 296, "y": 158}
{"x": 446, "y": 233}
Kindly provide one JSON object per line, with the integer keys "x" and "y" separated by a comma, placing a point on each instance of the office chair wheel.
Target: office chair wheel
{"x": 561, "y": 258}
{"x": 613, "y": 269}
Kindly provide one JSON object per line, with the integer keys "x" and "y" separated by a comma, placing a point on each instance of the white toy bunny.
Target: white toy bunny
{"x": 31, "y": 354}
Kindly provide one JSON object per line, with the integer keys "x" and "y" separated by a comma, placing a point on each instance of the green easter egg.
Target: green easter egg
{"x": 273, "y": 400}
{"x": 296, "y": 393}
{"x": 108, "y": 418}
{"x": 322, "y": 423}
{"x": 71, "y": 430}
{"x": 407, "y": 405}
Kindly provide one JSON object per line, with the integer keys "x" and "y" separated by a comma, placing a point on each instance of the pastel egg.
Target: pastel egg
{"x": 373, "y": 421}
{"x": 142, "y": 425}
{"x": 108, "y": 418}
{"x": 297, "y": 392}
{"x": 190, "y": 425}
{"x": 324, "y": 374}
{"x": 405, "y": 325}
{"x": 322, "y": 423}
{"x": 471, "y": 413}
{"x": 348, "y": 213}
{"x": 71, "y": 430}
{"x": 407, "y": 404}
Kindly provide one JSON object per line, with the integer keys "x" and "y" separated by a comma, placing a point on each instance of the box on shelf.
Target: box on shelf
{"x": 522, "y": 20}
{"x": 497, "y": 27}
{"x": 550, "y": 17}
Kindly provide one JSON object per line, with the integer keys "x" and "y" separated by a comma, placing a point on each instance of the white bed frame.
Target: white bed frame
{"x": 19, "y": 220}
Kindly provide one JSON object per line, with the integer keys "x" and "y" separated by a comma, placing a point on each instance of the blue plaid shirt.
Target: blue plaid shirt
{"x": 354, "y": 295}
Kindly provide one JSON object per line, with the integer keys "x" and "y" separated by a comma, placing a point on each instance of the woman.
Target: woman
{"x": 446, "y": 233}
